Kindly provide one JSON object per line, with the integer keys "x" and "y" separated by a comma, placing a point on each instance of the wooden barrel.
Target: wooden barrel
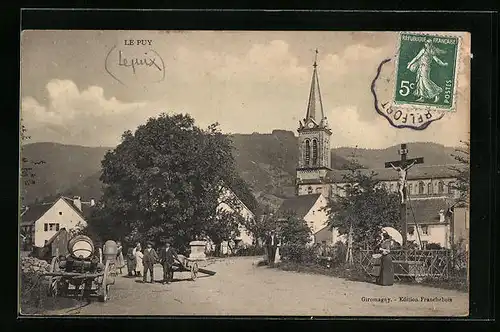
{"x": 81, "y": 246}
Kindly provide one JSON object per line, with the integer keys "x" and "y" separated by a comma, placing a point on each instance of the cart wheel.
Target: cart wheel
{"x": 194, "y": 271}
{"x": 104, "y": 295}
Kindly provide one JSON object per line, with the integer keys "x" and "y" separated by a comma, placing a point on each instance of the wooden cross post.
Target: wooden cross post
{"x": 402, "y": 166}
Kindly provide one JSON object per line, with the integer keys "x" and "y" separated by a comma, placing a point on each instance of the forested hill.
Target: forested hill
{"x": 265, "y": 161}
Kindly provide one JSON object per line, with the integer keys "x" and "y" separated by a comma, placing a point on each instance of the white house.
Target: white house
{"x": 429, "y": 221}
{"x": 39, "y": 222}
{"x": 310, "y": 208}
{"x": 229, "y": 202}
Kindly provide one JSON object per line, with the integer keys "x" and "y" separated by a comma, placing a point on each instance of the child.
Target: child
{"x": 138, "y": 261}
{"x": 131, "y": 262}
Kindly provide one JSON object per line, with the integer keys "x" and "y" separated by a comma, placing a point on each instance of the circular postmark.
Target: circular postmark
{"x": 399, "y": 116}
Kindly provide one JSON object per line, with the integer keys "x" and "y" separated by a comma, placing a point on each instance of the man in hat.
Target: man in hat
{"x": 149, "y": 260}
{"x": 168, "y": 255}
{"x": 272, "y": 243}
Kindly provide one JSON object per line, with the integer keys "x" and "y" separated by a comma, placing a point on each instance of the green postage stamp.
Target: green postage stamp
{"x": 426, "y": 71}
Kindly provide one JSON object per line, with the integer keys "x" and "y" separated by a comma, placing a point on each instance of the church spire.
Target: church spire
{"x": 315, "y": 105}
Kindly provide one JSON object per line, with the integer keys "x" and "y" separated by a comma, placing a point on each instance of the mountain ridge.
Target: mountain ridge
{"x": 266, "y": 162}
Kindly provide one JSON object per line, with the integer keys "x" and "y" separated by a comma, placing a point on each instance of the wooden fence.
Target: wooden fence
{"x": 413, "y": 263}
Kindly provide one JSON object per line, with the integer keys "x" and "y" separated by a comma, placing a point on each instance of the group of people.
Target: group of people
{"x": 140, "y": 262}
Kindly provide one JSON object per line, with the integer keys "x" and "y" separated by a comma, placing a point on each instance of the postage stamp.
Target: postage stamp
{"x": 426, "y": 70}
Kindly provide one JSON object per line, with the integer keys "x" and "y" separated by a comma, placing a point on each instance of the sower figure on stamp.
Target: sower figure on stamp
{"x": 403, "y": 171}
{"x": 149, "y": 259}
{"x": 421, "y": 64}
{"x": 168, "y": 255}
{"x": 272, "y": 244}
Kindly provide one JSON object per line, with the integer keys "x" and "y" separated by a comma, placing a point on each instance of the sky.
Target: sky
{"x": 74, "y": 91}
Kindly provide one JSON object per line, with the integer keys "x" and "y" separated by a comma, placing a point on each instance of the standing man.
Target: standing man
{"x": 168, "y": 255}
{"x": 149, "y": 260}
{"x": 272, "y": 244}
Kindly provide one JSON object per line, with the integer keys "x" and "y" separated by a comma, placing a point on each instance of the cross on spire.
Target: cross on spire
{"x": 315, "y": 105}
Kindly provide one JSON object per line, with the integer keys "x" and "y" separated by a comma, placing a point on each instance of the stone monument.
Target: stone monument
{"x": 197, "y": 250}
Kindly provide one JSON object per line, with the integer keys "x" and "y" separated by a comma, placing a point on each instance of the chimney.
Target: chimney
{"x": 77, "y": 202}
{"x": 92, "y": 202}
{"x": 441, "y": 216}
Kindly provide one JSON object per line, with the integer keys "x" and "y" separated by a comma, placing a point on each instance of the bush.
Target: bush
{"x": 32, "y": 285}
{"x": 299, "y": 253}
{"x": 433, "y": 246}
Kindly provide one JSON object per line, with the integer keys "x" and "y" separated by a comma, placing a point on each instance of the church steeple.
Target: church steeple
{"x": 314, "y": 160}
{"x": 315, "y": 105}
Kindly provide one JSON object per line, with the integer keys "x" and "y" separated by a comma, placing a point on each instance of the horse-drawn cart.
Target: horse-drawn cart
{"x": 81, "y": 273}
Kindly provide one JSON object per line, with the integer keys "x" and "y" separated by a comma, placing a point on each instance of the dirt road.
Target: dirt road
{"x": 241, "y": 288}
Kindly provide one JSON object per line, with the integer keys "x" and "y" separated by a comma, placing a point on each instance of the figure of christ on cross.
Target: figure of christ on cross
{"x": 403, "y": 171}
{"x": 402, "y": 166}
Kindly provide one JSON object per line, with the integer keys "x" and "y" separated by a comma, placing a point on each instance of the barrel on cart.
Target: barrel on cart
{"x": 81, "y": 272}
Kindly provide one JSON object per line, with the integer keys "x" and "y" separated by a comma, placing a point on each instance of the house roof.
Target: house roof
{"x": 300, "y": 205}
{"x": 426, "y": 211}
{"x": 86, "y": 209}
{"x": 49, "y": 242}
{"x": 36, "y": 211}
{"x": 416, "y": 172}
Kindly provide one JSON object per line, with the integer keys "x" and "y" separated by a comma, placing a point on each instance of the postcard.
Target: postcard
{"x": 236, "y": 173}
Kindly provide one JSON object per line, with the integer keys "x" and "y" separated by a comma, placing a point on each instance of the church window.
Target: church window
{"x": 440, "y": 187}
{"x": 410, "y": 189}
{"x": 420, "y": 187}
{"x": 308, "y": 152}
{"x": 315, "y": 152}
{"x": 429, "y": 188}
{"x": 310, "y": 190}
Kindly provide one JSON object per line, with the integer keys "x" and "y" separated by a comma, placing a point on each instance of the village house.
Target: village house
{"x": 310, "y": 209}
{"x": 230, "y": 202}
{"x": 40, "y": 222}
{"x": 430, "y": 188}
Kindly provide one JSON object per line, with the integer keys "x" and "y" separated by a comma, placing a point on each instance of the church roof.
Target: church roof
{"x": 315, "y": 105}
{"x": 415, "y": 173}
{"x": 299, "y": 205}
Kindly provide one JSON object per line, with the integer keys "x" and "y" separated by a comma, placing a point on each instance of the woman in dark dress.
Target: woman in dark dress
{"x": 386, "y": 276}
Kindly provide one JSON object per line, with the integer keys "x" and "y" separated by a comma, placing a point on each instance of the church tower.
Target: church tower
{"x": 314, "y": 144}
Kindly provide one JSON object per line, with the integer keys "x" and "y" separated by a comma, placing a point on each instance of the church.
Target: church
{"x": 429, "y": 187}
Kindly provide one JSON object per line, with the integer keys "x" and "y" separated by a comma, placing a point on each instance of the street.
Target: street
{"x": 241, "y": 288}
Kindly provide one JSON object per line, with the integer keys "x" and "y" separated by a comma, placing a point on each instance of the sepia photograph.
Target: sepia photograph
{"x": 244, "y": 173}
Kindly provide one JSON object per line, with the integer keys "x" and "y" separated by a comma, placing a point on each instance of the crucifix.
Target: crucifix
{"x": 402, "y": 166}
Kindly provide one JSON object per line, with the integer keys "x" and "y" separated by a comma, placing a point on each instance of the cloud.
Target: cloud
{"x": 255, "y": 88}
{"x": 83, "y": 117}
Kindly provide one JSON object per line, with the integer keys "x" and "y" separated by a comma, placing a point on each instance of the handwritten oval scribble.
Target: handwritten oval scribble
{"x": 135, "y": 65}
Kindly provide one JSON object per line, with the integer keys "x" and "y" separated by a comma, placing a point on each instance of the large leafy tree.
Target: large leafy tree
{"x": 165, "y": 181}
{"x": 363, "y": 208}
